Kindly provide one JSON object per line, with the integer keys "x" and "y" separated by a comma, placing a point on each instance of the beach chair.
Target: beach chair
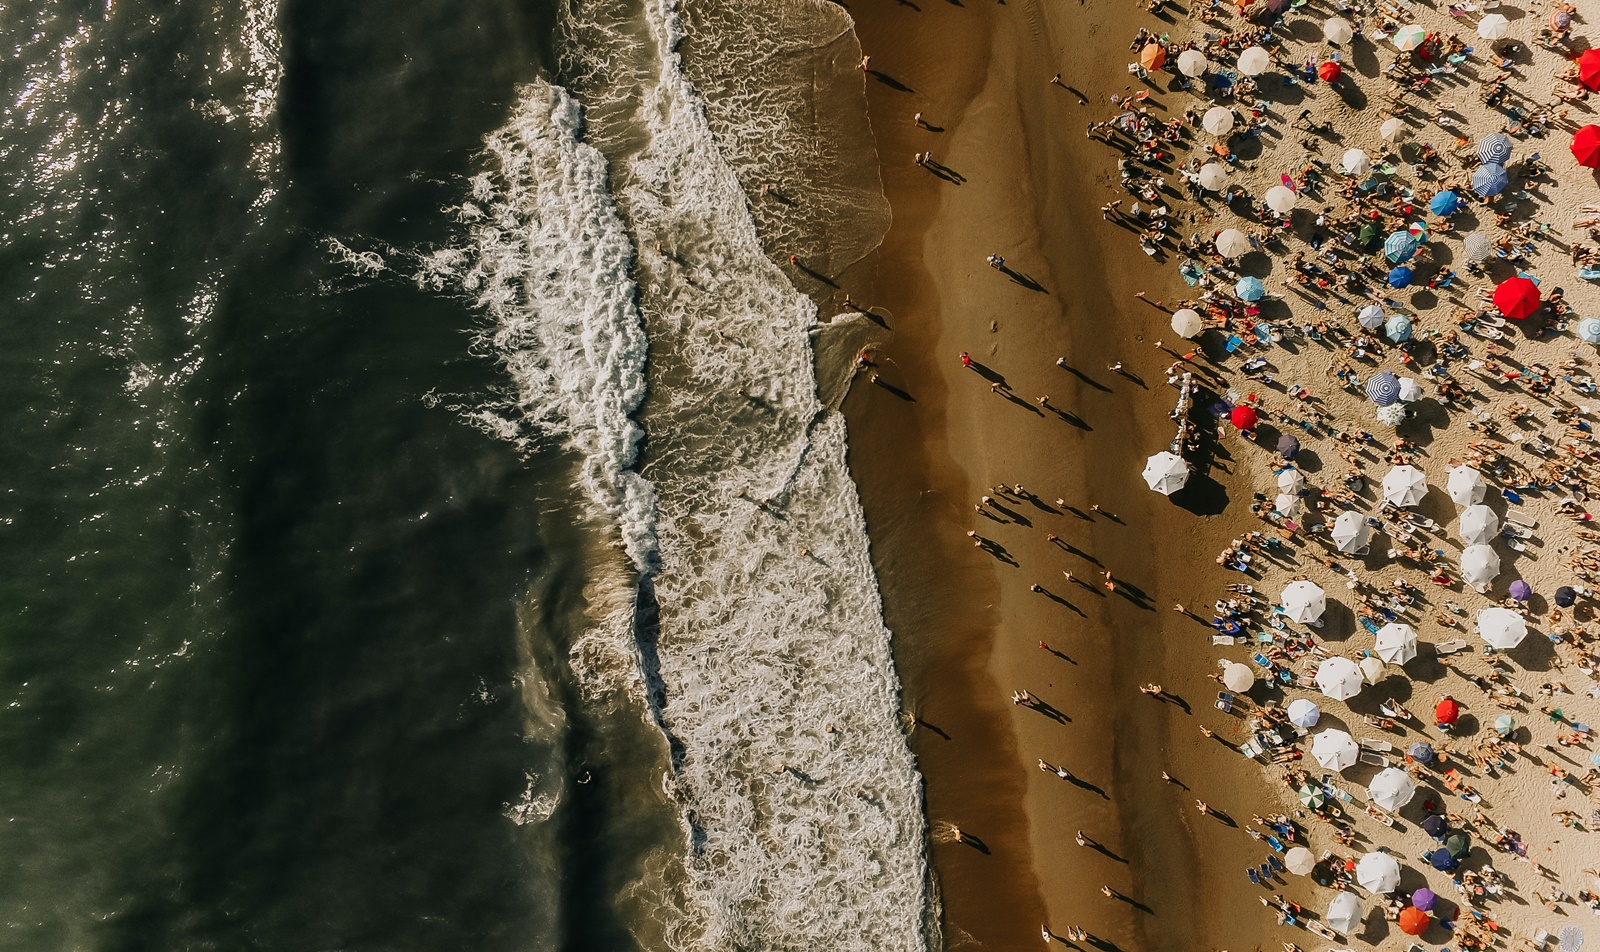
{"x": 1254, "y": 878}
{"x": 1521, "y": 519}
{"x": 1373, "y": 743}
{"x": 1450, "y": 647}
{"x": 1224, "y": 701}
{"x": 1375, "y": 760}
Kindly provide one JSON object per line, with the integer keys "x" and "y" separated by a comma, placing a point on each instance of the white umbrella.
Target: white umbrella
{"x": 1501, "y": 628}
{"x": 1237, "y": 677}
{"x": 1466, "y": 486}
{"x": 1166, "y": 473}
{"x": 1339, "y": 678}
{"x": 1212, "y": 175}
{"x": 1372, "y": 669}
{"x": 1396, "y": 643}
{"x": 1232, "y": 243}
{"x": 1338, "y": 30}
{"x": 1410, "y": 390}
{"x": 1371, "y": 317}
{"x": 1344, "y": 912}
{"x": 1335, "y": 749}
{"x": 1288, "y": 505}
{"x": 1356, "y": 162}
{"x": 1218, "y": 120}
{"x": 1350, "y": 532}
{"x": 1254, "y": 61}
{"x": 1378, "y": 872}
{"x": 1391, "y": 129}
{"x": 1391, "y": 789}
{"x": 1281, "y": 199}
{"x": 1192, "y": 63}
{"x": 1479, "y": 525}
{"x": 1408, "y": 38}
{"x": 1479, "y": 565}
{"x": 1186, "y": 322}
{"x": 1494, "y": 27}
{"x": 1303, "y": 712}
{"x": 1304, "y": 602}
{"x": 1291, "y": 481}
{"x": 1299, "y": 860}
{"x": 1404, "y": 486}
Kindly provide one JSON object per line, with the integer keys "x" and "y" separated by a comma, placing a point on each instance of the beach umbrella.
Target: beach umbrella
{"x": 1494, "y": 149}
{"x": 1400, "y": 277}
{"x": 1589, "y": 330}
{"x": 1421, "y": 753}
{"x": 1400, "y": 246}
{"x": 1243, "y": 417}
{"x": 1371, "y": 317}
{"x": 1441, "y": 860}
{"x": 1408, "y": 38}
{"x": 1410, "y": 390}
{"x": 1494, "y": 27}
{"x": 1250, "y": 289}
{"x": 1153, "y": 56}
{"x": 1237, "y": 677}
{"x": 1414, "y": 921}
{"x": 1330, "y": 71}
{"x": 1211, "y": 176}
{"x": 1291, "y": 481}
{"x": 1337, "y": 30}
{"x": 1466, "y": 486}
{"x": 1501, "y": 628}
{"x": 1372, "y": 669}
{"x": 1516, "y": 297}
{"x": 1504, "y": 725}
{"x": 1404, "y": 486}
{"x": 1571, "y": 939}
{"x": 1303, "y": 712}
{"x": 1378, "y": 872}
{"x": 1435, "y": 825}
{"x": 1166, "y": 473}
{"x": 1339, "y": 678}
{"x": 1589, "y": 69}
{"x": 1391, "y": 129}
{"x": 1586, "y": 146}
{"x": 1367, "y": 235}
{"x": 1281, "y": 199}
{"x": 1398, "y": 329}
{"x": 1489, "y": 180}
{"x": 1356, "y": 162}
{"x": 1254, "y": 61}
{"x": 1479, "y": 565}
{"x": 1218, "y": 120}
{"x": 1383, "y": 388}
{"x": 1192, "y": 63}
{"x": 1446, "y": 712}
{"x": 1299, "y": 860}
{"x": 1391, "y": 789}
{"x": 1479, "y": 525}
{"x": 1350, "y": 533}
{"x": 1478, "y": 247}
{"x": 1288, "y": 506}
{"x": 1444, "y": 203}
{"x": 1344, "y": 912}
{"x": 1396, "y": 643}
{"x": 1231, "y": 243}
{"x": 1312, "y": 797}
{"x": 1304, "y": 602}
{"x": 1566, "y": 595}
{"x": 1424, "y": 899}
{"x": 1186, "y": 322}
{"x": 1335, "y": 749}
{"x": 1288, "y": 446}
{"x": 1458, "y": 844}
{"x": 1521, "y": 591}
{"x": 1393, "y": 415}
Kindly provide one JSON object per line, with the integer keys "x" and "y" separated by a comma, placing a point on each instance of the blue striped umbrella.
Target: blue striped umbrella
{"x": 1400, "y": 277}
{"x": 1250, "y": 289}
{"x": 1490, "y": 179}
{"x": 1400, "y": 246}
{"x": 1494, "y": 148}
{"x": 1398, "y": 329}
{"x": 1445, "y": 203}
{"x": 1383, "y": 388}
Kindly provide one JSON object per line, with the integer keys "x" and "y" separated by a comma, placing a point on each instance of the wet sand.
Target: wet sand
{"x": 1026, "y": 184}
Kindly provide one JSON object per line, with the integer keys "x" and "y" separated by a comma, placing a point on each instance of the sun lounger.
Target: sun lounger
{"x": 1521, "y": 519}
{"x": 1373, "y": 743}
{"x": 1450, "y": 647}
{"x": 1376, "y": 760}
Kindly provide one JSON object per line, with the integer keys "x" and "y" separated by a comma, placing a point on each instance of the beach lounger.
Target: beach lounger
{"x": 1521, "y": 519}
{"x": 1373, "y": 743}
{"x": 1376, "y": 760}
{"x": 1255, "y": 879}
{"x": 1450, "y": 647}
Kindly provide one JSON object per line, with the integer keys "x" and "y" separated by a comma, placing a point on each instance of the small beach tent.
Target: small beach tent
{"x": 1494, "y": 149}
{"x": 1371, "y": 317}
{"x": 1250, "y": 289}
{"x": 1478, "y": 247}
{"x": 1494, "y": 27}
{"x": 1243, "y": 417}
{"x": 1479, "y": 525}
{"x": 1166, "y": 473}
{"x": 1254, "y": 61}
{"x": 1589, "y": 69}
{"x": 1281, "y": 198}
{"x": 1404, "y": 486}
{"x": 1211, "y": 176}
{"x": 1350, "y": 532}
{"x": 1445, "y": 203}
{"x": 1378, "y": 872}
{"x": 1521, "y": 590}
{"x": 1192, "y": 63}
{"x": 1383, "y": 388}
{"x": 1231, "y": 243}
{"x": 1466, "y": 486}
{"x": 1400, "y": 277}
{"x": 1589, "y": 330}
{"x": 1304, "y": 602}
{"x": 1410, "y": 390}
{"x": 1218, "y": 120}
{"x": 1339, "y": 678}
{"x": 1400, "y": 246}
{"x": 1153, "y": 56}
{"x": 1396, "y": 643}
{"x": 1299, "y": 860}
{"x": 1414, "y": 921}
{"x": 1237, "y": 678}
{"x": 1344, "y": 912}
{"x": 1372, "y": 669}
{"x": 1446, "y": 712}
{"x": 1517, "y": 297}
{"x": 1501, "y": 628}
{"x": 1291, "y": 481}
{"x": 1337, "y": 30}
{"x": 1330, "y": 71}
{"x": 1586, "y": 146}
{"x": 1356, "y": 162}
{"x": 1479, "y": 565}
{"x": 1408, "y": 38}
{"x": 1303, "y": 712}
{"x": 1186, "y": 322}
{"x": 1489, "y": 180}
{"x": 1335, "y": 749}
{"x": 1391, "y": 129}
{"x": 1398, "y": 330}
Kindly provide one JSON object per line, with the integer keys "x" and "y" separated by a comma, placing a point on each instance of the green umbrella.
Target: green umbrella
{"x": 1458, "y": 845}
{"x": 1311, "y": 797}
{"x": 1368, "y": 234}
{"x": 1505, "y": 724}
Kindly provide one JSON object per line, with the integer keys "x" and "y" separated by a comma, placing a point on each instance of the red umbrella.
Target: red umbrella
{"x": 1446, "y": 712}
{"x": 1586, "y": 146}
{"x": 1243, "y": 417}
{"x": 1517, "y": 297}
{"x": 1414, "y": 921}
{"x": 1589, "y": 68}
{"x": 1330, "y": 71}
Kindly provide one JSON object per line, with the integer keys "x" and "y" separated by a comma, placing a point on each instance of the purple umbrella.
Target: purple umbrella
{"x": 1424, "y": 899}
{"x": 1521, "y": 591}
{"x": 1288, "y": 446}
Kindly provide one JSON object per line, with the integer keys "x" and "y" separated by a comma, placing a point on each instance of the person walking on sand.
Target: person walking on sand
{"x": 1082, "y": 840}
{"x": 1202, "y": 807}
{"x": 1207, "y": 731}
{"x": 966, "y": 359}
{"x": 1111, "y": 583}
{"x": 1108, "y": 892}
{"x": 866, "y": 64}
{"x": 916, "y": 120}
{"x": 1056, "y": 80}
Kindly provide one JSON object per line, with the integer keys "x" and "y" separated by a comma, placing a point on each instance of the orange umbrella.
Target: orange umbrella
{"x": 1414, "y": 921}
{"x": 1586, "y": 146}
{"x": 1152, "y": 56}
{"x": 1330, "y": 71}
